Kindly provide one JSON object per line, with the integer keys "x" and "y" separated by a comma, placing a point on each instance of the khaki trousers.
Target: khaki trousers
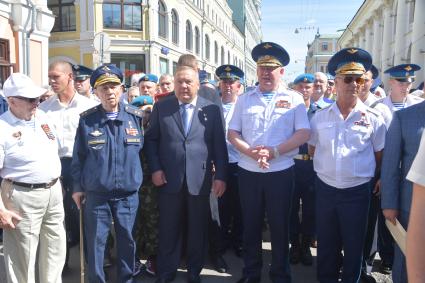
{"x": 42, "y": 228}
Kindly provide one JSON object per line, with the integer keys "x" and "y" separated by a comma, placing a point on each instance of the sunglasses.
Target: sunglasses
{"x": 30, "y": 100}
{"x": 349, "y": 80}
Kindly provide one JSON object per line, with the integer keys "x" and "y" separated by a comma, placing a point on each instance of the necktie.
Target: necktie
{"x": 185, "y": 117}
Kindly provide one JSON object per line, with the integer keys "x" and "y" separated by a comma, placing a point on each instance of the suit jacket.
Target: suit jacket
{"x": 401, "y": 145}
{"x": 191, "y": 157}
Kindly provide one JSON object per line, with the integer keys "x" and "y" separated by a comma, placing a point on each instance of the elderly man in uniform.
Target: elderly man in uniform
{"x": 303, "y": 230}
{"x": 267, "y": 127}
{"x": 401, "y": 78}
{"x": 82, "y": 81}
{"x": 30, "y": 167}
{"x": 347, "y": 142}
{"x": 107, "y": 173}
{"x": 229, "y": 233}
{"x": 402, "y": 143}
{"x": 148, "y": 85}
{"x": 63, "y": 109}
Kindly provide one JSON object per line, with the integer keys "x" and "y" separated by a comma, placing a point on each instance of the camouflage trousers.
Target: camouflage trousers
{"x": 146, "y": 226}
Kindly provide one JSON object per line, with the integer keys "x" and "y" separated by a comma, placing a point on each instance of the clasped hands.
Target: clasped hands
{"x": 262, "y": 154}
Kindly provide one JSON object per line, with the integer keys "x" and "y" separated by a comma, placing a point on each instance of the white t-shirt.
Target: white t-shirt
{"x": 417, "y": 171}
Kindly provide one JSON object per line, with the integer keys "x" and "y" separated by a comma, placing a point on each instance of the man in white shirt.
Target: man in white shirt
{"x": 347, "y": 141}
{"x": 63, "y": 109}
{"x": 29, "y": 164}
{"x": 267, "y": 127}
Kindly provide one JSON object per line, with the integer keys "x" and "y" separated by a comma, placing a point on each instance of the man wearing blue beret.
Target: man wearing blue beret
{"x": 268, "y": 125}
{"x": 148, "y": 85}
{"x": 346, "y": 143}
{"x": 107, "y": 173}
{"x": 302, "y": 230}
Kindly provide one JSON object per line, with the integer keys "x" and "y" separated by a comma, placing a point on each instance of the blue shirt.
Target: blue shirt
{"x": 106, "y": 156}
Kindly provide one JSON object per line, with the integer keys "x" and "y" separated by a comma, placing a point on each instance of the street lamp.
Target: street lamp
{"x": 297, "y": 30}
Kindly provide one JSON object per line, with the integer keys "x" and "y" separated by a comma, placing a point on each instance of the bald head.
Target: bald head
{"x": 61, "y": 78}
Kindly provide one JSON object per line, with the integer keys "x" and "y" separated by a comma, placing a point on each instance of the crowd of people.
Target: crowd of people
{"x": 181, "y": 169}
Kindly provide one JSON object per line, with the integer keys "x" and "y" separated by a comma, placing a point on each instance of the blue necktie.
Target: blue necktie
{"x": 185, "y": 117}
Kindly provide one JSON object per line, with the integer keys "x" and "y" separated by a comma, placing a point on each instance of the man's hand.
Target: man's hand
{"x": 390, "y": 214}
{"x": 9, "y": 219}
{"x": 78, "y": 197}
{"x": 377, "y": 188}
{"x": 158, "y": 178}
{"x": 218, "y": 188}
{"x": 254, "y": 152}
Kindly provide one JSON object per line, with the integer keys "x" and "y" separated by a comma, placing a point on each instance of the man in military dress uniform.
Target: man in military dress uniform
{"x": 267, "y": 127}
{"x": 303, "y": 230}
{"x": 347, "y": 141}
{"x": 107, "y": 173}
{"x": 82, "y": 81}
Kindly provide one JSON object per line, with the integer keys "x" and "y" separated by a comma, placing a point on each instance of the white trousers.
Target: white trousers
{"x": 41, "y": 227}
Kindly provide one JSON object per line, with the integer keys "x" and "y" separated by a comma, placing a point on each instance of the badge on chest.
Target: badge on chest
{"x": 283, "y": 104}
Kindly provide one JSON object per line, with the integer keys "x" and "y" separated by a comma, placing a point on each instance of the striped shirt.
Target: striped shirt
{"x": 112, "y": 115}
{"x": 267, "y": 97}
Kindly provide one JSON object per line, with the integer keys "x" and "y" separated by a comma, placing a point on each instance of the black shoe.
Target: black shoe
{"x": 192, "y": 278}
{"x": 249, "y": 280}
{"x": 219, "y": 264}
{"x": 366, "y": 278}
{"x": 294, "y": 254}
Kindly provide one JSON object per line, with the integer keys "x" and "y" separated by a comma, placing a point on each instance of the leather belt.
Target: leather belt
{"x": 303, "y": 157}
{"x": 35, "y": 186}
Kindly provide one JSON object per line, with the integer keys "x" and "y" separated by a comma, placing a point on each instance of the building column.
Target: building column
{"x": 368, "y": 37}
{"x": 361, "y": 38}
{"x": 386, "y": 37}
{"x": 377, "y": 39}
{"x": 400, "y": 43}
{"x": 418, "y": 40}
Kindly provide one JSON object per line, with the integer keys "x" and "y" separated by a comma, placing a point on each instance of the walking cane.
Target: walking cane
{"x": 81, "y": 246}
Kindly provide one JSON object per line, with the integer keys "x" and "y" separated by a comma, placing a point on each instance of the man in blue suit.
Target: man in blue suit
{"x": 402, "y": 143}
{"x": 184, "y": 141}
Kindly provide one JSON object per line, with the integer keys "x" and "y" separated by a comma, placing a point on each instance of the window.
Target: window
{"x": 207, "y": 47}
{"x": 174, "y": 67}
{"x": 162, "y": 20}
{"x": 64, "y": 10}
{"x": 189, "y": 35}
{"x": 174, "y": 27}
{"x": 129, "y": 64}
{"x": 163, "y": 66}
{"x": 122, "y": 14}
{"x": 215, "y": 52}
{"x": 411, "y": 8}
{"x": 222, "y": 55}
{"x": 325, "y": 46}
{"x": 197, "y": 40}
{"x": 5, "y": 65}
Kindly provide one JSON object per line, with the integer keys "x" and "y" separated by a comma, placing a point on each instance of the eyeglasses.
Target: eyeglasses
{"x": 30, "y": 100}
{"x": 349, "y": 80}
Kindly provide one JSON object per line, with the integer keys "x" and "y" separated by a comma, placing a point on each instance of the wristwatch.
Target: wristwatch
{"x": 276, "y": 152}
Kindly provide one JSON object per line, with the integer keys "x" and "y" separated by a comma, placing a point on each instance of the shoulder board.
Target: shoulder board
{"x": 376, "y": 103}
{"x": 89, "y": 111}
{"x": 373, "y": 111}
{"x": 133, "y": 110}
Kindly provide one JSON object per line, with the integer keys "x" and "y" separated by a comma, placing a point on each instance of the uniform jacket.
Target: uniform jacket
{"x": 190, "y": 157}
{"x": 402, "y": 143}
{"x": 106, "y": 157}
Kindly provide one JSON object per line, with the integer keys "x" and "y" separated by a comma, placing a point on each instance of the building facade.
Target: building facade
{"x": 146, "y": 35}
{"x": 392, "y": 31}
{"x": 24, "y": 34}
{"x": 320, "y": 51}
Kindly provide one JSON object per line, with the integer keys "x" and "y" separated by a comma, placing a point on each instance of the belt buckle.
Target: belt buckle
{"x": 306, "y": 157}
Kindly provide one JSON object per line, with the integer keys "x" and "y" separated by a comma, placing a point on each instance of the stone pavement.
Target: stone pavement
{"x": 300, "y": 273}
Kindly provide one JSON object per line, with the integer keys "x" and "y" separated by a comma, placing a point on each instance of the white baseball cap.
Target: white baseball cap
{"x": 18, "y": 84}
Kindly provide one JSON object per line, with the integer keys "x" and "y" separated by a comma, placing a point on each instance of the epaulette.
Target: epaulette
{"x": 373, "y": 111}
{"x": 417, "y": 98}
{"x": 376, "y": 103}
{"x": 133, "y": 110}
{"x": 89, "y": 111}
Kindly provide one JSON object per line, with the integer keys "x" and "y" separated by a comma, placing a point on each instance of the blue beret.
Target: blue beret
{"x": 142, "y": 100}
{"x": 106, "y": 74}
{"x": 405, "y": 72}
{"x": 350, "y": 61}
{"x": 81, "y": 73}
{"x": 203, "y": 77}
{"x": 304, "y": 78}
{"x": 149, "y": 78}
{"x": 270, "y": 54}
{"x": 229, "y": 72}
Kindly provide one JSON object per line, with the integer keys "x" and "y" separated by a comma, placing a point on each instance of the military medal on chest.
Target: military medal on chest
{"x": 48, "y": 132}
{"x": 363, "y": 121}
{"x": 130, "y": 130}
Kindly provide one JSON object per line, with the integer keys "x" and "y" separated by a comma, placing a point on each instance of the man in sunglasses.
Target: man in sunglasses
{"x": 30, "y": 167}
{"x": 402, "y": 143}
{"x": 347, "y": 141}
{"x": 330, "y": 89}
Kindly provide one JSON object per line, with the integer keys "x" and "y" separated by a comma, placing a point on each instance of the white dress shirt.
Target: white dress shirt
{"x": 28, "y": 153}
{"x": 65, "y": 119}
{"x": 269, "y": 124}
{"x": 344, "y": 149}
{"x": 189, "y": 111}
{"x": 417, "y": 171}
{"x": 234, "y": 154}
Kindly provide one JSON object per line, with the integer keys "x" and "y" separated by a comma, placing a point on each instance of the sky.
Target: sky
{"x": 280, "y": 18}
